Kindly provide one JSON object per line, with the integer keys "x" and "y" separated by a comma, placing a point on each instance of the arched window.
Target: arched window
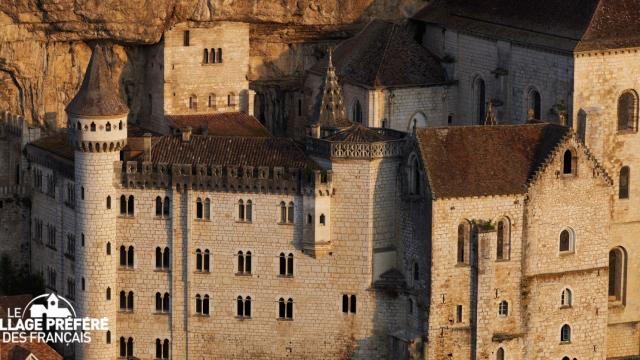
{"x": 282, "y": 311}
{"x": 205, "y": 305}
{"x": 323, "y": 220}
{"x": 158, "y": 302}
{"x": 93, "y": 126}
{"x": 345, "y": 303}
{"x": 207, "y": 256}
{"x": 120, "y": 125}
{"x": 158, "y": 206}
{"x": 108, "y": 202}
{"x": 414, "y": 176}
{"x": 108, "y": 293}
{"x": 503, "y": 234}
{"x": 289, "y": 314}
{"x": 534, "y": 104}
{"x": 479, "y": 92}
{"x": 198, "y": 260}
{"x": 123, "y": 256}
{"x": 617, "y": 274}
{"x": 503, "y": 308}
{"x": 130, "y": 206}
{"x": 212, "y": 101}
{"x": 567, "y": 241}
{"x": 205, "y": 57}
{"x": 165, "y": 303}
{"x": 566, "y": 298}
{"x": 352, "y": 304}
{"x": 464, "y": 233}
{"x": 198, "y": 304}
{"x": 123, "y": 205}
{"x": 623, "y": 183}
{"x": 207, "y": 209}
{"x": 565, "y": 333}
{"x": 193, "y": 102}
{"x": 569, "y": 163}
{"x": 108, "y": 337}
{"x": 248, "y": 211}
{"x": 165, "y": 349}
{"x": 130, "y": 257}
{"x": 628, "y": 111}
{"x": 123, "y": 300}
{"x": 240, "y": 262}
{"x": 199, "y": 208}
{"x": 108, "y": 248}
{"x": 158, "y": 258}
{"x": 219, "y": 58}
{"x": 240, "y": 210}
{"x": 418, "y": 120}
{"x": 356, "y": 111}
{"x": 283, "y": 264}
{"x": 243, "y": 306}
{"x": 290, "y": 264}
{"x": 283, "y": 212}
{"x": 108, "y": 126}
{"x": 410, "y": 306}
{"x": 123, "y": 347}
{"x": 290, "y": 213}
{"x": 166, "y": 258}
{"x": 130, "y": 301}
{"x": 247, "y": 263}
{"x": 500, "y": 354}
{"x": 309, "y": 219}
{"x": 286, "y": 264}
{"x": 130, "y": 347}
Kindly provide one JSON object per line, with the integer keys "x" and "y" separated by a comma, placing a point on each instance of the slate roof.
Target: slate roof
{"x": 557, "y": 24}
{"x": 98, "y": 95}
{"x": 384, "y": 54}
{"x": 228, "y": 151}
{"x": 464, "y": 161}
{"x": 220, "y": 124}
{"x": 614, "y": 25}
{"x": 358, "y": 133}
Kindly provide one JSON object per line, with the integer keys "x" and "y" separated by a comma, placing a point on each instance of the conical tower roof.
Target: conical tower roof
{"x": 332, "y": 111}
{"x": 98, "y": 95}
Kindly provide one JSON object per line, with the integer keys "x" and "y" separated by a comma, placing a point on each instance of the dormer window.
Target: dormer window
{"x": 569, "y": 163}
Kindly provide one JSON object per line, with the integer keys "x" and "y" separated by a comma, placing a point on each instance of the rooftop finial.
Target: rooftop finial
{"x": 330, "y": 57}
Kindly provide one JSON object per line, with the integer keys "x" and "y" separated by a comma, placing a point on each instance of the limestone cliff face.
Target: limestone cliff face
{"x": 44, "y": 44}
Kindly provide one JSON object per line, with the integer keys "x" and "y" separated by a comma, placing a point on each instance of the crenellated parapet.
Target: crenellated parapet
{"x": 261, "y": 179}
{"x": 388, "y": 143}
{"x": 12, "y": 124}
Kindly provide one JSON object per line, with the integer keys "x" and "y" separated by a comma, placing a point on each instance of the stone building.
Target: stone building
{"x": 375, "y": 236}
{"x": 196, "y": 70}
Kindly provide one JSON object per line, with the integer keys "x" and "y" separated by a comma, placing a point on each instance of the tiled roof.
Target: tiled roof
{"x": 56, "y": 144}
{"x": 98, "y": 94}
{"x": 220, "y": 124}
{"x": 384, "y": 54}
{"x": 557, "y": 24}
{"x": 22, "y": 351}
{"x": 614, "y": 25}
{"x": 228, "y": 151}
{"x": 463, "y": 161}
{"x": 358, "y": 133}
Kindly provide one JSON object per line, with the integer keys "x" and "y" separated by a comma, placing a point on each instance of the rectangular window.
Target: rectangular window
{"x": 458, "y": 313}
{"x": 185, "y": 38}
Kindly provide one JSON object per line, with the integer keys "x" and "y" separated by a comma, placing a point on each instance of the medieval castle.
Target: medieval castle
{"x": 457, "y": 186}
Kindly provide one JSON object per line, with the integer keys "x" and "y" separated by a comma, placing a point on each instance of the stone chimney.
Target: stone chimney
{"x": 186, "y": 134}
{"x": 147, "y": 147}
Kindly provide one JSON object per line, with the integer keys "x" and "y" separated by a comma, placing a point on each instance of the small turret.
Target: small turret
{"x": 97, "y": 114}
{"x": 332, "y": 116}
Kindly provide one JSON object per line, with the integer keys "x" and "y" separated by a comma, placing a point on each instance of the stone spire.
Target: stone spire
{"x": 98, "y": 95}
{"x": 332, "y": 110}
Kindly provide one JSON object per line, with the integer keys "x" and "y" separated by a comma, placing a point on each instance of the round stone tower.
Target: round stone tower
{"x": 97, "y": 127}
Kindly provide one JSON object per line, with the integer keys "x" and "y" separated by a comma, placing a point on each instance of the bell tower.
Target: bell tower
{"x": 97, "y": 129}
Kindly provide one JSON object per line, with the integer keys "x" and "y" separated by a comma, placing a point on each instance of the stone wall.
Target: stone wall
{"x": 600, "y": 78}
{"x": 525, "y": 68}
{"x": 14, "y": 226}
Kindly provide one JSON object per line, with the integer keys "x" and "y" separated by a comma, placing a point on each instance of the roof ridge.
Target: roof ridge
{"x": 384, "y": 54}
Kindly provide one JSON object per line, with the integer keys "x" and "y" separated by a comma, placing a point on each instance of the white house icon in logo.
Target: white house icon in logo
{"x": 51, "y": 309}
